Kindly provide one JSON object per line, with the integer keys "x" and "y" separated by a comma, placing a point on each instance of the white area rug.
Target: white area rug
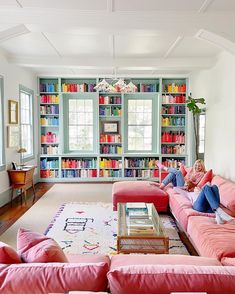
{"x": 91, "y": 228}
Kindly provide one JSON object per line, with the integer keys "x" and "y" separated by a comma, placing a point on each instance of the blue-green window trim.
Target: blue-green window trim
{"x": 2, "y": 133}
{"x": 82, "y": 96}
{"x": 30, "y": 92}
{"x": 155, "y": 120}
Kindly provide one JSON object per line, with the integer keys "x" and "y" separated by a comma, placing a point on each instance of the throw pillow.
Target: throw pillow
{"x": 183, "y": 170}
{"x": 206, "y": 178}
{"x": 8, "y": 255}
{"x": 35, "y": 247}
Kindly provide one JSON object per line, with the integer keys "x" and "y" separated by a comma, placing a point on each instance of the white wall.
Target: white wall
{"x": 217, "y": 86}
{"x": 13, "y": 76}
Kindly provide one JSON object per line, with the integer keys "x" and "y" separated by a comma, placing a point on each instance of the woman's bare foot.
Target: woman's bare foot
{"x": 161, "y": 166}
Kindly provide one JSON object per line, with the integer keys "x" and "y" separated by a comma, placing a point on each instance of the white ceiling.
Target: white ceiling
{"x": 125, "y": 37}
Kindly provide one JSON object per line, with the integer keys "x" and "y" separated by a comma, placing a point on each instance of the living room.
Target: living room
{"x": 94, "y": 99}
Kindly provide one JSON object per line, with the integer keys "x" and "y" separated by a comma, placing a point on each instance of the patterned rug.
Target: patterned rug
{"x": 91, "y": 228}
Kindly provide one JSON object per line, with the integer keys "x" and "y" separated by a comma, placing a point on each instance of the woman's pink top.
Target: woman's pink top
{"x": 194, "y": 177}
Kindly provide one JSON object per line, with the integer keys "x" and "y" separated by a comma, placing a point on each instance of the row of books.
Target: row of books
{"x": 177, "y": 149}
{"x": 110, "y": 100}
{"x": 173, "y": 121}
{"x": 139, "y": 173}
{"x": 49, "y": 173}
{"x": 110, "y": 149}
{"x": 147, "y": 162}
{"x": 49, "y": 109}
{"x": 171, "y": 99}
{"x": 79, "y": 173}
{"x": 177, "y": 88}
{"x": 110, "y": 173}
{"x": 172, "y": 162}
{"x": 173, "y": 137}
{"x": 110, "y": 138}
{"x": 110, "y": 111}
{"x": 67, "y": 87}
{"x": 49, "y": 87}
{"x": 147, "y": 88}
{"x": 49, "y": 99}
{"x": 50, "y": 137}
{"x": 79, "y": 163}
{"x": 110, "y": 163}
{"x": 49, "y": 150}
{"x": 173, "y": 109}
{"x": 50, "y": 121}
{"x": 49, "y": 164}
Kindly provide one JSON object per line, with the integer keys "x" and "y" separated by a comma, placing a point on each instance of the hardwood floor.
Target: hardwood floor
{"x": 9, "y": 215}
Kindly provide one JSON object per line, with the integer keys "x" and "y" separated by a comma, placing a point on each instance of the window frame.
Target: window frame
{"x": 30, "y": 92}
{"x": 2, "y": 133}
{"x": 155, "y": 121}
{"x": 201, "y": 154}
{"x": 80, "y": 96}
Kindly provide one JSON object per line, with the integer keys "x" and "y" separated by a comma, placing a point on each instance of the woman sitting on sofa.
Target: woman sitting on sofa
{"x": 189, "y": 182}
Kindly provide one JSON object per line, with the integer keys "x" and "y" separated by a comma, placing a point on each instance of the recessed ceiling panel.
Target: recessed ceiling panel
{"x": 80, "y": 45}
{"x": 66, "y": 4}
{"x": 222, "y": 5}
{"x": 142, "y": 46}
{"x": 11, "y": 3}
{"x": 32, "y": 44}
{"x": 192, "y": 47}
{"x": 149, "y": 5}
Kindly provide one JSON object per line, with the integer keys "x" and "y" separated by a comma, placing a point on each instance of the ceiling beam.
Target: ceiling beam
{"x": 205, "y": 6}
{"x": 13, "y": 32}
{"x": 173, "y": 46}
{"x": 101, "y": 62}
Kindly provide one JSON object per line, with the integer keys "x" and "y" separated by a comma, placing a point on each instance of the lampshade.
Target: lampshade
{"x": 21, "y": 150}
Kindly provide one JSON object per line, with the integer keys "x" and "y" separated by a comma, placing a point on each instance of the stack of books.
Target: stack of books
{"x": 139, "y": 221}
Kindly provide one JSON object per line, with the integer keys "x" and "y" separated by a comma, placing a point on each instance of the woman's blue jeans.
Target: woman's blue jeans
{"x": 175, "y": 177}
{"x": 208, "y": 200}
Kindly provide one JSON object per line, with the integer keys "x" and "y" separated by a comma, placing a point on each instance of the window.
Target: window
{"x": 141, "y": 115}
{"x": 2, "y": 146}
{"x": 79, "y": 128}
{"x": 26, "y": 122}
{"x": 202, "y": 123}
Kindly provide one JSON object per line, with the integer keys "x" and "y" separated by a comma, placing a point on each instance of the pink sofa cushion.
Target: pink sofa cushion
{"x": 35, "y": 247}
{"x": 227, "y": 192}
{"x": 210, "y": 239}
{"x": 83, "y": 258}
{"x": 8, "y": 255}
{"x": 206, "y": 178}
{"x": 161, "y": 259}
{"x": 41, "y": 278}
{"x": 181, "y": 208}
{"x": 164, "y": 279}
{"x": 228, "y": 261}
{"x": 139, "y": 191}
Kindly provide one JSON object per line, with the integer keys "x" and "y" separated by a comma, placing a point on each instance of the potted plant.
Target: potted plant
{"x": 193, "y": 106}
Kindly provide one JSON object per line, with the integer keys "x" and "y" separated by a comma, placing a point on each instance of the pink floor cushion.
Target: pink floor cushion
{"x": 35, "y": 247}
{"x": 227, "y": 192}
{"x": 164, "y": 279}
{"x": 41, "y": 278}
{"x": 181, "y": 208}
{"x": 139, "y": 191}
{"x": 8, "y": 255}
{"x": 161, "y": 259}
{"x": 211, "y": 239}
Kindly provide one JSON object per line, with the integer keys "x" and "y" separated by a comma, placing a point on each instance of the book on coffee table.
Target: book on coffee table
{"x": 140, "y": 223}
{"x": 138, "y": 213}
{"x": 136, "y": 205}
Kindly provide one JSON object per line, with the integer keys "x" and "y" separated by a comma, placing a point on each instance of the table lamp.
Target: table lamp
{"x": 21, "y": 151}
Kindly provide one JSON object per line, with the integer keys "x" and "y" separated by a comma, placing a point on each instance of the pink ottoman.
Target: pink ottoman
{"x": 139, "y": 191}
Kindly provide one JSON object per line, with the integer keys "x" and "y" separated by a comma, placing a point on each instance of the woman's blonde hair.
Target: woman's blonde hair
{"x": 201, "y": 162}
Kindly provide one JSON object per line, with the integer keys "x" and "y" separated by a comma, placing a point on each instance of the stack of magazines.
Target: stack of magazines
{"x": 139, "y": 221}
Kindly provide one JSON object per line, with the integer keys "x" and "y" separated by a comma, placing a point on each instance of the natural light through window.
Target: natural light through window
{"x": 26, "y": 123}
{"x": 81, "y": 124}
{"x": 139, "y": 125}
{"x": 202, "y": 120}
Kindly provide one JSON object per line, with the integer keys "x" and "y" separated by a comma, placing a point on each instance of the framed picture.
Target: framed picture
{"x": 13, "y": 111}
{"x": 111, "y": 127}
{"x": 12, "y": 136}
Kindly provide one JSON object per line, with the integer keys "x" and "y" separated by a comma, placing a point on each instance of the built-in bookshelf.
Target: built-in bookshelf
{"x": 110, "y": 160}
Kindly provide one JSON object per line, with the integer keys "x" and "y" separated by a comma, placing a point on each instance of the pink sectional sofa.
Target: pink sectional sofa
{"x": 208, "y": 238}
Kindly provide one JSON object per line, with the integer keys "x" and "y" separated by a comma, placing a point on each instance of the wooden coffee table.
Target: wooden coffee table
{"x": 156, "y": 242}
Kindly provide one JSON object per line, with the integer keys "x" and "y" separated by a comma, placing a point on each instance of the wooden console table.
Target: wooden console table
{"x": 22, "y": 179}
